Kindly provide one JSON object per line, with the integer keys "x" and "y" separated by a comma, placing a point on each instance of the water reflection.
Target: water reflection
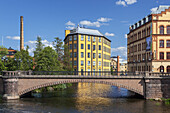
{"x": 85, "y": 98}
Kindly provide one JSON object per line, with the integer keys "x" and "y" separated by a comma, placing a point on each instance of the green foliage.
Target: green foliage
{"x": 47, "y": 60}
{"x": 58, "y": 45}
{"x": 11, "y": 64}
{"x": 111, "y": 70}
{"x": 3, "y": 51}
{"x": 23, "y": 60}
{"x": 39, "y": 47}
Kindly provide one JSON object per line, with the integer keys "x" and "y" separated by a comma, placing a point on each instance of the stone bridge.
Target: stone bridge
{"x": 14, "y": 84}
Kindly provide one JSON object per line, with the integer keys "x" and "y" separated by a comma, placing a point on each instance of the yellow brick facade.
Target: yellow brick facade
{"x": 88, "y": 52}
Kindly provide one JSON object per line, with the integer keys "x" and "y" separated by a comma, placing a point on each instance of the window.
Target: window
{"x": 75, "y": 37}
{"x": 82, "y": 37}
{"x": 70, "y": 38}
{"x": 82, "y": 54}
{"x": 94, "y": 47}
{"x": 81, "y": 71}
{"x": 168, "y": 55}
{"x": 88, "y": 38}
{"x": 70, "y": 46}
{"x": 161, "y": 68}
{"x": 88, "y": 46}
{"x": 161, "y": 55}
{"x": 75, "y": 46}
{"x": 161, "y": 43}
{"x": 99, "y": 39}
{"x": 75, "y": 63}
{"x": 82, "y": 63}
{"x": 168, "y": 29}
{"x": 70, "y": 55}
{"x": 168, "y": 69}
{"x": 99, "y": 47}
{"x": 99, "y": 63}
{"x": 88, "y": 55}
{"x": 99, "y": 55}
{"x": 94, "y": 55}
{"x": 82, "y": 46}
{"x": 93, "y": 71}
{"x": 94, "y": 63}
{"x": 94, "y": 39}
{"x": 168, "y": 43}
{"x": 75, "y": 54}
{"x": 88, "y": 63}
{"x": 161, "y": 29}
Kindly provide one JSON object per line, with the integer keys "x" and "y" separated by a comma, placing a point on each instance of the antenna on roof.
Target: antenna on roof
{"x": 78, "y": 25}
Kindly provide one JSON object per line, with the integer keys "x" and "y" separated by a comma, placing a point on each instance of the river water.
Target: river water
{"x": 86, "y": 98}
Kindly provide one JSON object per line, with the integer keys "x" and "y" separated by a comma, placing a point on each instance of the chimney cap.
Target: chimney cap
{"x": 21, "y": 16}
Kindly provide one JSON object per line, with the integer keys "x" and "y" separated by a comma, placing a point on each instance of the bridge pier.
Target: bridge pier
{"x": 10, "y": 88}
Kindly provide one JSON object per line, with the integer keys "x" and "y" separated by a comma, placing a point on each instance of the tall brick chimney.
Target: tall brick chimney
{"x": 21, "y": 33}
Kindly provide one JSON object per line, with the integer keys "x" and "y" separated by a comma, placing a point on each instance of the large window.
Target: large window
{"x": 168, "y": 69}
{"x": 168, "y": 55}
{"x": 161, "y": 55}
{"x": 99, "y": 39}
{"x": 75, "y": 62}
{"x": 88, "y": 63}
{"x": 75, "y": 54}
{"x": 82, "y": 37}
{"x": 94, "y": 55}
{"x": 161, "y": 29}
{"x": 168, "y": 43}
{"x": 94, "y": 47}
{"x": 82, "y": 63}
{"x": 82, "y": 46}
{"x": 161, "y": 68}
{"x": 82, "y": 54}
{"x": 161, "y": 43}
{"x": 88, "y": 46}
{"x": 70, "y": 38}
{"x": 168, "y": 29}
{"x": 99, "y": 55}
{"x": 75, "y": 37}
{"x": 88, "y": 38}
{"x": 70, "y": 55}
{"x": 88, "y": 55}
{"x": 70, "y": 46}
{"x": 75, "y": 46}
{"x": 94, "y": 39}
{"x": 99, "y": 47}
{"x": 94, "y": 63}
{"x": 99, "y": 63}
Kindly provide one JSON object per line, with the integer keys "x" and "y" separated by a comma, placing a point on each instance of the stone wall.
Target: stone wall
{"x": 158, "y": 88}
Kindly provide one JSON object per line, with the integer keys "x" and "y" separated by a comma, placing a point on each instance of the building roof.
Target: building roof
{"x": 160, "y": 9}
{"x": 81, "y": 30}
{"x": 149, "y": 18}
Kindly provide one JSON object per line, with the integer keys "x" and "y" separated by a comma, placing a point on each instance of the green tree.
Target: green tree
{"x": 3, "y": 51}
{"x": 47, "y": 60}
{"x": 39, "y": 47}
{"x": 58, "y": 45}
{"x": 67, "y": 66}
{"x": 23, "y": 60}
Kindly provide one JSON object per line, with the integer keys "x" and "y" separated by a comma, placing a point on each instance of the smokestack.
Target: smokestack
{"x": 21, "y": 33}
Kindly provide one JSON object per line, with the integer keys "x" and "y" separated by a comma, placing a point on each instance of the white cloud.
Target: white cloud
{"x": 88, "y": 23}
{"x": 125, "y": 2}
{"x": 32, "y": 45}
{"x": 14, "y": 37}
{"x": 102, "y": 19}
{"x": 69, "y": 23}
{"x": 121, "y": 51}
{"x": 121, "y": 3}
{"x": 130, "y": 1}
{"x": 125, "y": 35}
{"x": 109, "y": 34}
{"x": 70, "y": 27}
{"x": 154, "y": 9}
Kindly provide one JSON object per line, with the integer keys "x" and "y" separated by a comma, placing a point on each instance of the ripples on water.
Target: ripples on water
{"x": 86, "y": 98}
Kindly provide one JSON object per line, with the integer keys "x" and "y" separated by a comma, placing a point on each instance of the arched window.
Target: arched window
{"x": 168, "y": 29}
{"x": 161, "y": 68}
{"x": 168, "y": 69}
{"x": 161, "y": 29}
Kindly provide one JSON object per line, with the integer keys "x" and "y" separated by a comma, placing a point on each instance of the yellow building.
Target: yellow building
{"x": 149, "y": 42}
{"x": 89, "y": 49}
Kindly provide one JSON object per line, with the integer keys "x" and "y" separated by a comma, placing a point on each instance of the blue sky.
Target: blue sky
{"x": 49, "y": 19}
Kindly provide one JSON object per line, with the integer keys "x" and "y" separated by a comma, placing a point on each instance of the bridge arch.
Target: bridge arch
{"x": 130, "y": 87}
